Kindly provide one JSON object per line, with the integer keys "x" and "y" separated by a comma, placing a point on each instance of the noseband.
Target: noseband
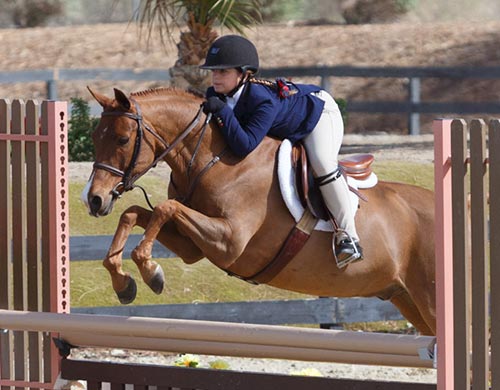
{"x": 127, "y": 182}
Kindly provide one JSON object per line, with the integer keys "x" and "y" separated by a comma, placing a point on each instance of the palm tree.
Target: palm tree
{"x": 200, "y": 17}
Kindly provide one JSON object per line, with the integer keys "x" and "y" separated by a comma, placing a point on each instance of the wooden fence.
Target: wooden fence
{"x": 326, "y": 312}
{"x": 412, "y": 107}
{"x": 34, "y": 226}
{"x": 468, "y": 218}
{"x": 142, "y": 376}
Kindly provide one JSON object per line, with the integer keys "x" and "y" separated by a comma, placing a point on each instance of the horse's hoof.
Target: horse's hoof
{"x": 128, "y": 295}
{"x": 157, "y": 281}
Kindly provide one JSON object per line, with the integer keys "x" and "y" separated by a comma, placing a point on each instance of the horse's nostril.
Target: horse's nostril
{"x": 95, "y": 203}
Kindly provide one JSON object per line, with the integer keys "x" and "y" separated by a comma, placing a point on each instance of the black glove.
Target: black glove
{"x": 213, "y": 105}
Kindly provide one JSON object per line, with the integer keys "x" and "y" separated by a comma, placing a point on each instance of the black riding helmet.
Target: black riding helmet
{"x": 232, "y": 51}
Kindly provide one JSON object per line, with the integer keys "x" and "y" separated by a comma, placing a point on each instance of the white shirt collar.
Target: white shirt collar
{"x": 231, "y": 101}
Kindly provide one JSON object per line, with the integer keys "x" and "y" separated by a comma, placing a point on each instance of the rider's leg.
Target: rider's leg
{"x": 323, "y": 146}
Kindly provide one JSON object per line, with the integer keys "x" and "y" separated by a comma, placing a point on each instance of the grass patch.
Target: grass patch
{"x": 197, "y": 283}
{"x": 82, "y": 224}
{"x": 201, "y": 282}
{"x": 421, "y": 175}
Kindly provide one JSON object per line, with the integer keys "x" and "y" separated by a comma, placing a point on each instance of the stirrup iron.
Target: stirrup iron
{"x": 356, "y": 256}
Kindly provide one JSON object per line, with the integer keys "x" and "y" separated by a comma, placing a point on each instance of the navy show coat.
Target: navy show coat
{"x": 260, "y": 111}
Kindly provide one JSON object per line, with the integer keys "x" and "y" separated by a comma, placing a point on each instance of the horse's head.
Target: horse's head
{"x": 119, "y": 157}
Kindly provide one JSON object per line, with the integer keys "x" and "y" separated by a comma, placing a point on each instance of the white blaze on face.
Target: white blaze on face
{"x": 85, "y": 193}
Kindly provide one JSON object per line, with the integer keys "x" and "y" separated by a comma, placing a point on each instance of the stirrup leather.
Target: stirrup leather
{"x": 329, "y": 177}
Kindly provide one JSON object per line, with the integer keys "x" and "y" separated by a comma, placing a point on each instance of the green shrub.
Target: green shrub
{"x": 81, "y": 125}
{"x": 375, "y": 11}
{"x": 342, "y": 103}
{"x": 31, "y": 13}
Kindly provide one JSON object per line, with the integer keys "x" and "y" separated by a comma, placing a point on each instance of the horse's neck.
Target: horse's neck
{"x": 197, "y": 149}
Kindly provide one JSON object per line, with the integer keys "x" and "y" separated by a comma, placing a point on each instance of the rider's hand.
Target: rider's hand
{"x": 213, "y": 105}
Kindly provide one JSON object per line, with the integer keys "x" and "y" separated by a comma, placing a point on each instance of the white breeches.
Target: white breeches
{"x": 323, "y": 146}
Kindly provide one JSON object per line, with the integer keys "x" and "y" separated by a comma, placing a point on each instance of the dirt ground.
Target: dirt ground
{"x": 401, "y": 44}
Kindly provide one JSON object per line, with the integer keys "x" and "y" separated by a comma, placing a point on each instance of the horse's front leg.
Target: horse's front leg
{"x": 123, "y": 284}
{"x": 214, "y": 237}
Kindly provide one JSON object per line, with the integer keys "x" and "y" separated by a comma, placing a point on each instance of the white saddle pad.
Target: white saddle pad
{"x": 286, "y": 176}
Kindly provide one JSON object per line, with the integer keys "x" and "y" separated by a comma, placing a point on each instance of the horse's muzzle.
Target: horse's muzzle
{"x": 97, "y": 204}
{"x": 99, "y": 207}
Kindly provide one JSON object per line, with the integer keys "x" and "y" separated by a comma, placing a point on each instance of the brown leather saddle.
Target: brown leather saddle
{"x": 357, "y": 166}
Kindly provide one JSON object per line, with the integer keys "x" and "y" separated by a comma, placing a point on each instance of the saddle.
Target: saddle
{"x": 357, "y": 166}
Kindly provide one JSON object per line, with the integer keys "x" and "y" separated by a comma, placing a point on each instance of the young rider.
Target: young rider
{"x": 247, "y": 109}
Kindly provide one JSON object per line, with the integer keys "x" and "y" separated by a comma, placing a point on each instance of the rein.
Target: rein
{"x": 127, "y": 182}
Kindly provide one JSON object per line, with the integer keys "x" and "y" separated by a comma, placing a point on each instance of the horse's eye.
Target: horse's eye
{"x": 123, "y": 140}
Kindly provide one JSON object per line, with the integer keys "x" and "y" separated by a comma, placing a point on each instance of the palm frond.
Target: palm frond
{"x": 164, "y": 15}
{"x": 237, "y": 14}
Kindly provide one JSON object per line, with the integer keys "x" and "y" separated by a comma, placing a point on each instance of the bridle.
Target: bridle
{"x": 127, "y": 181}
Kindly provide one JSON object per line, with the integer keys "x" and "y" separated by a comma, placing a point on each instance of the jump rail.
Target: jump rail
{"x": 226, "y": 339}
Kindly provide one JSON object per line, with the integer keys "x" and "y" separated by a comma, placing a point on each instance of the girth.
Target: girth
{"x": 295, "y": 241}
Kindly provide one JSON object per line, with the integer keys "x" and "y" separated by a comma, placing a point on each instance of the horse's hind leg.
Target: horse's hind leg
{"x": 402, "y": 300}
{"x": 123, "y": 284}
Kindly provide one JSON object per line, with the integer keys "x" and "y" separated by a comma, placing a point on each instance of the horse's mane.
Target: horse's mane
{"x": 163, "y": 91}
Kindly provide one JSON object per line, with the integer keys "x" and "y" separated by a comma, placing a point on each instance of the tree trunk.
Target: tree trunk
{"x": 193, "y": 48}
{"x": 190, "y": 77}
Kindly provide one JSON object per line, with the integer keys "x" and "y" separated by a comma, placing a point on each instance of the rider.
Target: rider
{"x": 247, "y": 109}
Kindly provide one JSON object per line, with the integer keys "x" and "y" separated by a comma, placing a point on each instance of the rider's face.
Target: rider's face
{"x": 225, "y": 80}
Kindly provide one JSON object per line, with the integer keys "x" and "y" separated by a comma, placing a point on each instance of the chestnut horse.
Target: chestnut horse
{"x": 230, "y": 210}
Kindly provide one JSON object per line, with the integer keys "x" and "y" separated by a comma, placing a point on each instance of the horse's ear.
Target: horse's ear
{"x": 104, "y": 101}
{"x": 122, "y": 99}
